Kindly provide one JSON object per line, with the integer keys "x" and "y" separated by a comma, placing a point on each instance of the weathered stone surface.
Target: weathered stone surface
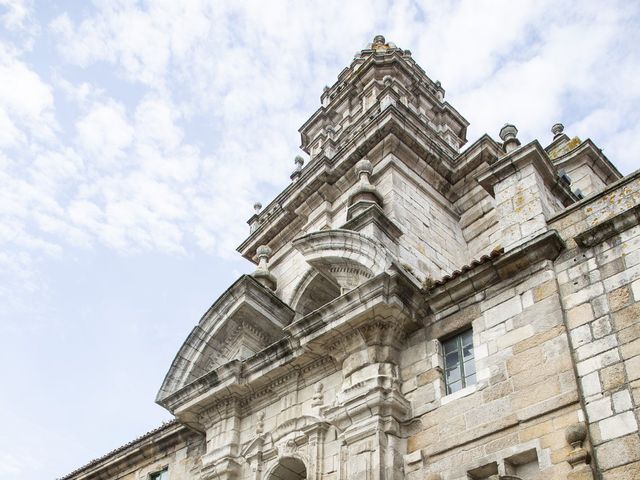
{"x": 618, "y": 452}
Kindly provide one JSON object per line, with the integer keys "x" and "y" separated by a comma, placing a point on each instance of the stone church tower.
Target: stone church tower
{"x": 419, "y": 310}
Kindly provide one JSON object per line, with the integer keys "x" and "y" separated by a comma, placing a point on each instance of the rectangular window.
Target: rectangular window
{"x": 459, "y": 367}
{"x": 161, "y": 475}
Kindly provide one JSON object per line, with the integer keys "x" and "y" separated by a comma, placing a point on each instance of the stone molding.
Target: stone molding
{"x": 390, "y": 294}
{"x": 246, "y": 304}
{"x": 609, "y": 228}
{"x": 397, "y": 120}
{"x": 345, "y": 256}
{"x": 376, "y": 216}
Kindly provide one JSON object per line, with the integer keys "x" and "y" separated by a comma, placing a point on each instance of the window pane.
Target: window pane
{"x": 469, "y": 367}
{"x": 459, "y": 365}
{"x": 453, "y": 375}
{"x": 467, "y": 351}
{"x": 450, "y": 345}
{"x": 470, "y": 380}
{"x": 454, "y": 387}
{"x": 451, "y": 360}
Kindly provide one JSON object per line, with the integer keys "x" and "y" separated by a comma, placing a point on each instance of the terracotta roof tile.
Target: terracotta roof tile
{"x": 456, "y": 273}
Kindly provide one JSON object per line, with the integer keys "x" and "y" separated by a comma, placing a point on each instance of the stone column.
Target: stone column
{"x": 222, "y": 427}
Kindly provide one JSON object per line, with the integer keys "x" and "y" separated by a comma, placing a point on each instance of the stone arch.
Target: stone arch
{"x": 348, "y": 258}
{"x": 288, "y": 468}
{"x": 312, "y": 292}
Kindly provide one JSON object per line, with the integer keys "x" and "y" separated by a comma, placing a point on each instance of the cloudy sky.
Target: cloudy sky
{"x": 135, "y": 137}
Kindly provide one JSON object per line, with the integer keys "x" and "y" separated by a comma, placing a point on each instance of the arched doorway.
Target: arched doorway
{"x": 288, "y": 468}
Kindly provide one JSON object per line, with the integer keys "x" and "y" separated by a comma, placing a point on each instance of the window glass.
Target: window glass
{"x": 459, "y": 364}
{"x": 161, "y": 475}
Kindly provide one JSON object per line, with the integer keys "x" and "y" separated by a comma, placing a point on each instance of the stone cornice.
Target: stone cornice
{"x": 530, "y": 154}
{"x": 608, "y": 173}
{"x": 546, "y": 246}
{"x": 609, "y": 228}
{"x": 595, "y": 197}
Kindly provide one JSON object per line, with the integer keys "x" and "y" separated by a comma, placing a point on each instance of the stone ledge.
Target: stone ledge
{"x": 609, "y": 228}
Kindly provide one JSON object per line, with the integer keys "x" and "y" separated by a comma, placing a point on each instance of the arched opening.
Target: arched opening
{"x": 315, "y": 291}
{"x": 288, "y": 468}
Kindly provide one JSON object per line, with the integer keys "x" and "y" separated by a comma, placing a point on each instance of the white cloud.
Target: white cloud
{"x": 104, "y": 133}
{"x": 26, "y": 102}
{"x": 15, "y": 15}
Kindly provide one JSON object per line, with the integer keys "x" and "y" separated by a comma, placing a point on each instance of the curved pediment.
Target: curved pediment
{"x": 245, "y": 319}
{"x": 346, "y": 257}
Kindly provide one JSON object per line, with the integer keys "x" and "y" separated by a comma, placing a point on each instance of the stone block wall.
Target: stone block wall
{"x": 513, "y": 420}
{"x": 599, "y": 279}
{"x": 432, "y": 243}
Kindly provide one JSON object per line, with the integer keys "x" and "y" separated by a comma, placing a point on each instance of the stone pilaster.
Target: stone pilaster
{"x": 370, "y": 406}
{"x": 221, "y": 460}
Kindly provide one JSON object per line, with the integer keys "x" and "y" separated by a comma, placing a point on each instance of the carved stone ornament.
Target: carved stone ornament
{"x": 576, "y": 435}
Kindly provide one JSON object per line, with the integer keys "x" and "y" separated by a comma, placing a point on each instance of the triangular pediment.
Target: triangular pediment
{"x": 245, "y": 319}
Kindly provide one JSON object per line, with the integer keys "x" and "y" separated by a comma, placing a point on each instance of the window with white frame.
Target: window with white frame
{"x": 459, "y": 364}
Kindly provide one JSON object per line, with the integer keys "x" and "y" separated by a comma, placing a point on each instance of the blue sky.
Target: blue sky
{"x": 135, "y": 137}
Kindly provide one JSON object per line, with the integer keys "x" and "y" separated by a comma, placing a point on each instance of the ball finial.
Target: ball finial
{"x": 557, "y": 130}
{"x": 508, "y": 132}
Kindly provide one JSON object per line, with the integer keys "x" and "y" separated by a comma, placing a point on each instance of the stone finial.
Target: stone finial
{"x": 318, "y": 397}
{"x": 364, "y": 167}
{"x": 299, "y": 161}
{"x": 557, "y": 130}
{"x": 379, "y": 39}
{"x": 439, "y": 90}
{"x": 263, "y": 252}
{"x": 508, "y": 134}
{"x": 260, "y": 423}
{"x": 365, "y": 194}
{"x": 262, "y": 273}
{"x": 257, "y": 207}
{"x": 576, "y": 434}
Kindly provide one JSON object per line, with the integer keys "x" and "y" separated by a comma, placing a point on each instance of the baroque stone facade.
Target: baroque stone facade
{"x": 418, "y": 311}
